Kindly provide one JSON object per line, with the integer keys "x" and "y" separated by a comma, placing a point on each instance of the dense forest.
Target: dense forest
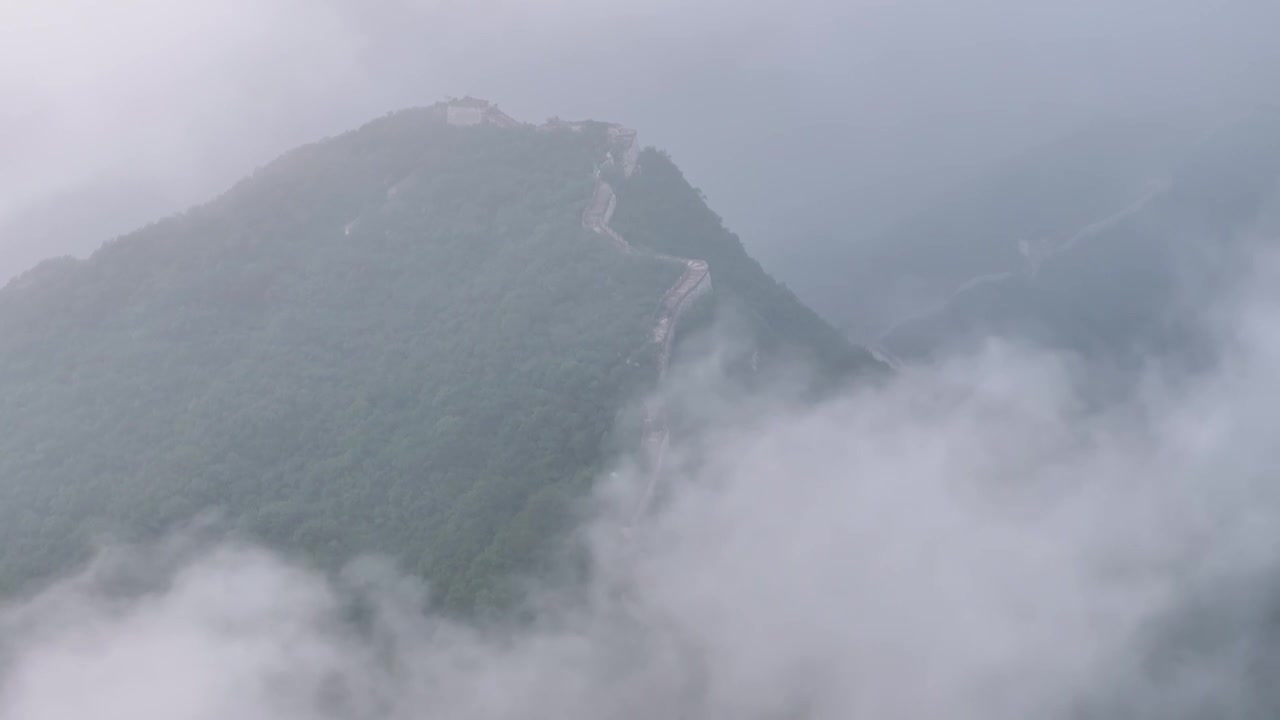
{"x": 400, "y": 340}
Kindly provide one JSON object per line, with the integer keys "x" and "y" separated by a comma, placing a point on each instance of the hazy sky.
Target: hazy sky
{"x": 118, "y": 112}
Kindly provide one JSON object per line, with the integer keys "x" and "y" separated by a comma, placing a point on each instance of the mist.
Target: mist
{"x": 969, "y": 539}
{"x": 980, "y": 535}
{"x": 119, "y": 115}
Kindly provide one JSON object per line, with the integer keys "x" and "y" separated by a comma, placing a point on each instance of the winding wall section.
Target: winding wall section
{"x": 692, "y": 284}
{"x": 1034, "y": 260}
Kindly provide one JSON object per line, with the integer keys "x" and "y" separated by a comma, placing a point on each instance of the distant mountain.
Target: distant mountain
{"x": 414, "y": 339}
{"x": 1108, "y": 246}
{"x": 988, "y": 226}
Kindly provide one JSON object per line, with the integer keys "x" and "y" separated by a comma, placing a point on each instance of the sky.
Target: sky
{"x": 806, "y": 122}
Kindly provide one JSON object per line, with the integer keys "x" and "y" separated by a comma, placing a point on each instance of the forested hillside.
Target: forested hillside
{"x": 400, "y": 340}
{"x": 659, "y": 209}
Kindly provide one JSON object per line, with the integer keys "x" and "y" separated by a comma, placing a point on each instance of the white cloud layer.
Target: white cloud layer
{"x": 970, "y": 540}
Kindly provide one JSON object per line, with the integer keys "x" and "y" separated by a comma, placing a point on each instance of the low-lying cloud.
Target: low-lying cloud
{"x": 968, "y": 540}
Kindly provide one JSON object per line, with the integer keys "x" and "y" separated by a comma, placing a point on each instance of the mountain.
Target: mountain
{"x": 74, "y": 221}
{"x": 1110, "y": 247}
{"x": 411, "y": 339}
{"x": 985, "y": 225}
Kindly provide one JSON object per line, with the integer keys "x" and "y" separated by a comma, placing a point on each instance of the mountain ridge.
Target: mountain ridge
{"x": 416, "y": 339}
{"x": 692, "y": 284}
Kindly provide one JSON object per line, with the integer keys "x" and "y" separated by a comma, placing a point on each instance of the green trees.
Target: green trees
{"x": 400, "y": 340}
{"x": 659, "y": 209}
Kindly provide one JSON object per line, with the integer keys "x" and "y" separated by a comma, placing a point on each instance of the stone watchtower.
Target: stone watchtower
{"x": 474, "y": 111}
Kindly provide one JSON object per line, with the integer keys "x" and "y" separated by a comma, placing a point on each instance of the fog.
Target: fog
{"x": 969, "y": 539}
{"x": 978, "y": 537}
{"x": 807, "y": 124}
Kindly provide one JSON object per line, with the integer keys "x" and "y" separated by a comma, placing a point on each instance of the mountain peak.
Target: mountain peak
{"x": 468, "y": 110}
{"x": 418, "y": 338}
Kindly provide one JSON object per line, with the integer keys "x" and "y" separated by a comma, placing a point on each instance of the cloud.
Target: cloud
{"x": 973, "y": 539}
{"x": 151, "y": 87}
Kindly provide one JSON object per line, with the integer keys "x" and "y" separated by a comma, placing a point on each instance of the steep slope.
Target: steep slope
{"x": 412, "y": 339}
{"x": 659, "y": 209}
{"x": 694, "y": 283}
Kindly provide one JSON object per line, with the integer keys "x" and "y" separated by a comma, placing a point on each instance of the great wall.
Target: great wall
{"x": 692, "y": 284}
{"x": 1034, "y": 256}
{"x": 623, "y": 154}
